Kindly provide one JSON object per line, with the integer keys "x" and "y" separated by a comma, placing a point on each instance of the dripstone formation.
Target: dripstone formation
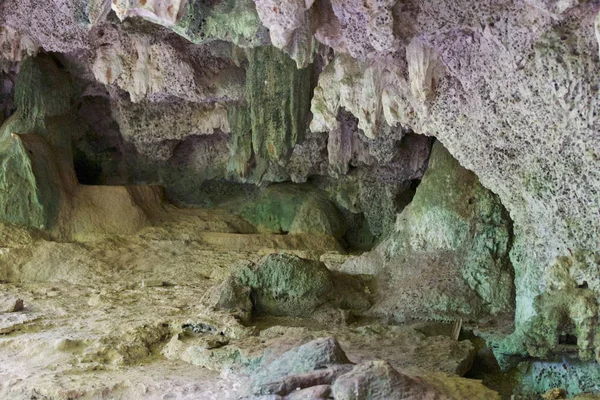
{"x": 278, "y": 171}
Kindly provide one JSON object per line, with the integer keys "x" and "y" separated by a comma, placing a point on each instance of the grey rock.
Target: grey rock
{"x": 231, "y": 296}
{"x": 319, "y": 392}
{"x": 298, "y": 382}
{"x": 378, "y": 380}
{"x": 314, "y": 355}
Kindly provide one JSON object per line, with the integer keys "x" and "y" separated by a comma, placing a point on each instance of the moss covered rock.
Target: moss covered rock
{"x": 448, "y": 257}
{"x": 36, "y": 166}
{"x": 275, "y": 118}
{"x": 293, "y": 209}
{"x": 565, "y": 319}
{"x": 21, "y": 199}
{"x": 228, "y": 20}
{"x": 287, "y": 285}
{"x": 278, "y": 94}
{"x": 282, "y": 284}
{"x": 42, "y": 89}
{"x": 240, "y": 143}
{"x": 38, "y": 185}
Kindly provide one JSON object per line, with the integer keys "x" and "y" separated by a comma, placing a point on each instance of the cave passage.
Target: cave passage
{"x": 287, "y": 200}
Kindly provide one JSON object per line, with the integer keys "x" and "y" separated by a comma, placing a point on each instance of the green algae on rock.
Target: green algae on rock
{"x": 278, "y": 97}
{"x": 282, "y": 284}
{"x": 230, "y": 20}
{"x": 18, "y": 182}
{"x": 448, "y": 256}
{"x": 240, "y": 143}
{"x": 287, "y": 285}
{"x": 42, "y": 89}
{"x": 293, "y": 209}
{"x": 38, "y": 185}
{"x": 31, "y": 177}
{"x": 566, "y": 314}
{"x": 575, "y": 377}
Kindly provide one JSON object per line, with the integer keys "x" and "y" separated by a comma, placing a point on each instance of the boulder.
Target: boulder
{"x": 231, "y": 296}
{"x": 287, "y": 285}
{"x": 293, "y": 209}
{"x": 319, "y": 392}
{"x": 378, "y": 380}
{"x": 283, "y": 284}
{"x": 305, "y": 359}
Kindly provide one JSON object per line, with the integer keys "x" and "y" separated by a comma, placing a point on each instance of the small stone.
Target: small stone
{"x": 215, "y": 342}
{"x": 555, "y": 394}
{"x": 11, "y": 304}
{"x": 94, "y": 300}
{"x": 152, "y": 283}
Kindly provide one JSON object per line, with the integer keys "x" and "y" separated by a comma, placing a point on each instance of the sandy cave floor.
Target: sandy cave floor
{"x": 100, "y": 312}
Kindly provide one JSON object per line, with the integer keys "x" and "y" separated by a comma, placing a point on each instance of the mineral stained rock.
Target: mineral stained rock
{"x": 294, "y": 209}
{"x": 33, "y": 141}
{"x": 278, "y": 96}
{"x": 455, "y": 225}
{"x": 38, "y": 166}
{"x": 286, "y": 285}
{"x": 323, "y": 362}
{"x": 509, "y": 88}
{"x": 514, "y": 102}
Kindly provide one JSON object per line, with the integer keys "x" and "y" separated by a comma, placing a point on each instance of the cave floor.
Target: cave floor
{"x": 78, "y": 341}
{"x": 102, "y": 315}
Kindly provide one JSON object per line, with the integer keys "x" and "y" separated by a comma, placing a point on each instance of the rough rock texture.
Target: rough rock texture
{"x": 14, "y": 47}
{"x": 291, "y": 27}
{"x": 516, "y": 105}
{"x": 573, "y": 378}
{"x": 455, "y": 225}
{"x": 323, "y": 362}
{"x": 33, "y": 142}
{"x": 278, "y": 101}
{"x": 197, "y": 21}
{"x": 286, "y": 285}
{"x": 37, "y": 165}
{"x": 293, "y": 209}
{"x": 566, "y": 313}
{"x": 58, "y": 27}
{"x": 509, "y": 88}
{"x": 156, "y": 64}
{"x": 170, "y": 85}
{"x": 379, "y": 380}
{"x": 83, "y": 330}
{"x": 381, "y": 173}
{"x": 317, "y": 354}
{"x": 10, "y": 304}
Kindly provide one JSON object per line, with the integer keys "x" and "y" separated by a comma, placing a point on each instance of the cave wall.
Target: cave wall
{"x": 508, "y": 87}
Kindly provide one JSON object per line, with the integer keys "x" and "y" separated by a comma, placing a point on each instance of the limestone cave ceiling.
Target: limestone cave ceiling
{"x": 451, "y": 135}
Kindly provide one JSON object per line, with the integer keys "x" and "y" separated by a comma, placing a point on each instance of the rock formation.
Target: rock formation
{"x": 397, "y": 162}
{"x": 455, "y": 225}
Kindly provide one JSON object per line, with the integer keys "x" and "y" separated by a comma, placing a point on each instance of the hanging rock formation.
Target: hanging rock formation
{"x": 216, "y": 100}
